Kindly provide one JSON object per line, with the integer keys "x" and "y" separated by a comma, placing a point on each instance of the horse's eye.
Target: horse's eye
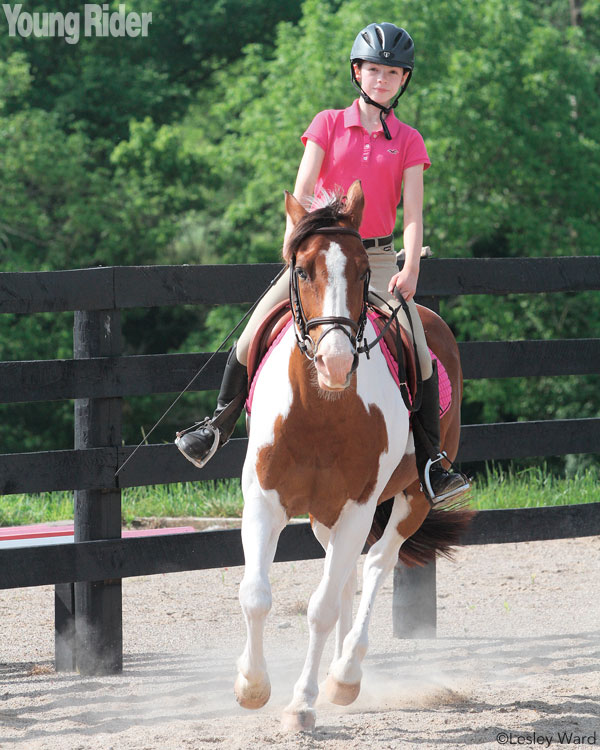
{"x": 302, "y": 273}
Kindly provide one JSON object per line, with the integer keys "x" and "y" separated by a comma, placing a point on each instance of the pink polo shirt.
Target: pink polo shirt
{"x": 351, "y": 154}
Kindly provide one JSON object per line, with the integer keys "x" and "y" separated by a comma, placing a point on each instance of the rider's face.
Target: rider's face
{"x": 380, "y": 82}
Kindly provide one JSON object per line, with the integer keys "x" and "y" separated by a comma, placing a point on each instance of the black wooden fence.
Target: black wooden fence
{"x": 87, "y": 574}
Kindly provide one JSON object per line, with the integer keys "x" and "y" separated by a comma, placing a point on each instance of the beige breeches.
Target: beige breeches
{"x": 383, "y": 267}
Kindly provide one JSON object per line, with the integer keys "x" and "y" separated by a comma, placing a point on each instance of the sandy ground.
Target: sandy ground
{"x": 518, "y": 652}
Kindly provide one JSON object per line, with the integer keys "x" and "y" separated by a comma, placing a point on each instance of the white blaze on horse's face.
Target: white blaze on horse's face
{"x": 335, "y": 357}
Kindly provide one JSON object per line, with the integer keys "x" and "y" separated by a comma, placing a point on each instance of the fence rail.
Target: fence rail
{"x": 174, "y": 553}
{"x": 102, "y": 377}
{"x": 123, "y": 287}
{"x": 99, "y": 377}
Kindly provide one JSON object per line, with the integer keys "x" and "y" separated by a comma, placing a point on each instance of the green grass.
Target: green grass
{"x": 211, "y": 499}
{"x": 498, "y": 489}
{"x": 221, "y": 498}
{"x": 532, "y": 488}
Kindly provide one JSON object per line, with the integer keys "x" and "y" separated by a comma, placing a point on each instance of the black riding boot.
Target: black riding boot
{"x": 438, "y": 483}
{"x": 199, "y": 445}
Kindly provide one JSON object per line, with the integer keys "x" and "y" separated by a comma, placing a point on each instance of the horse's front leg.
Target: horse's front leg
{"x": 344, "y": 622}
{"x": 346, "y": 542}
{"x": 343, "y": 683}
{"x": 262, "y": 522}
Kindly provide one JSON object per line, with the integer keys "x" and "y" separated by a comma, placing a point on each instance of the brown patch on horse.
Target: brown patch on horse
{"x": 333, "y": 436}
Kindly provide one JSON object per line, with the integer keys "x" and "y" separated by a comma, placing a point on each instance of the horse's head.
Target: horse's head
{"x": 329, "y": 279}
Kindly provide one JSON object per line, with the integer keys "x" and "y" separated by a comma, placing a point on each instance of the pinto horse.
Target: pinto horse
{"x": 330, "y": 437}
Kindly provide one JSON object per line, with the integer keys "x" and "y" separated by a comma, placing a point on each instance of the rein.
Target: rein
{"x": 338, "y": 322}
{"x": 402, "y": 376}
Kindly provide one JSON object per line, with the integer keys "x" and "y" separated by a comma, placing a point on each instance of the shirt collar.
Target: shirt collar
{"x": 352, "y": 119}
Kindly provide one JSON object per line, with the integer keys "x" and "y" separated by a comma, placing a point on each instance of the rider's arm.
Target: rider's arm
{"x": 406, "y": 279}
{"x": 306, "y": 179}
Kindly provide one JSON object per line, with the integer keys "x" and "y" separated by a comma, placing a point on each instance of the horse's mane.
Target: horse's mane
{"x": 329, "y": 215}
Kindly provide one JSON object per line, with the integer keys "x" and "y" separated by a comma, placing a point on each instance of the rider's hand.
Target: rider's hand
{"x": 405, "y": 282}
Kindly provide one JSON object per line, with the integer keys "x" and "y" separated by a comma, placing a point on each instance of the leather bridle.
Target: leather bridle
{"x": 338, "y": 322}
{"x": 303, "y": 325}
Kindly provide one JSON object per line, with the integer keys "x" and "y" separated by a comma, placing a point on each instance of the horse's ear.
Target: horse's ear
{"x": 355, "y": 203}
{"x": 294, "y": 208}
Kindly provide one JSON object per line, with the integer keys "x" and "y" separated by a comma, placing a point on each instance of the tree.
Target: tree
{"x": 99, "y": 84}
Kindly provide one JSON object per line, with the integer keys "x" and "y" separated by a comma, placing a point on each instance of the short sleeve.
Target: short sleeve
{"x": 318, "y": 130}
{"x": 416, "y": 152}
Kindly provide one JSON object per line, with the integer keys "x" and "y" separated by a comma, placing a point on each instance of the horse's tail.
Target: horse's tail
{"x": 439, "y": 533}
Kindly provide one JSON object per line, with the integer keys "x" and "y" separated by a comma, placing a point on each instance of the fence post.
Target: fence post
{"x": 414, "y": 613}
{"x": 98, "y": 640}
{"x": 64, "y": 627}
{"x": 414, "y": 601}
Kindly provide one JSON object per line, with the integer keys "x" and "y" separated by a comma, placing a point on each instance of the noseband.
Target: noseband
{"x": 335, "y": 322}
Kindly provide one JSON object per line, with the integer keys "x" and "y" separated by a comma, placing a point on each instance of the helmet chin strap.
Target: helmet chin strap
{"x": 384, "y": 110}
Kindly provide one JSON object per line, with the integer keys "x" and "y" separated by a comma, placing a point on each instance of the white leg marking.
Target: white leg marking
{"x": 380, "y": 559}
{"x": 262, "y": 522}
{"x": 346, "y": 541}
{"x": 344, "y": 622}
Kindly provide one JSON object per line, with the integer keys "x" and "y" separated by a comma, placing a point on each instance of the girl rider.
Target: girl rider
{"x": 364, "y": 141}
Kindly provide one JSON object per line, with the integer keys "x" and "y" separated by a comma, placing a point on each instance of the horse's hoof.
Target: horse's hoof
{"x": 298, "y": 721}
{"x": 251, "y": 695}
{"x": 341, "y": 693}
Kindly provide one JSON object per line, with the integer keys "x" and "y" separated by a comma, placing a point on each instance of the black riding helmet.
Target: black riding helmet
{"x": 384, "y": 44}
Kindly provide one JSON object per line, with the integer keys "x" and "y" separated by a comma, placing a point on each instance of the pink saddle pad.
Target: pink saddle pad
{"x": 445, "y": 385}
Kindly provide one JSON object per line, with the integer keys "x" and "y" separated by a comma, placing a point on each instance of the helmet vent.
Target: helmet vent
{"x": 380, "y": 35}
{"x": 397, "y": 38}
{"x": 408, "y": 43}
{"x": 366, "y": 36}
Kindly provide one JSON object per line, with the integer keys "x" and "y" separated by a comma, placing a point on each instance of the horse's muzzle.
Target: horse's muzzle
{"x": 335, "y": 370}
